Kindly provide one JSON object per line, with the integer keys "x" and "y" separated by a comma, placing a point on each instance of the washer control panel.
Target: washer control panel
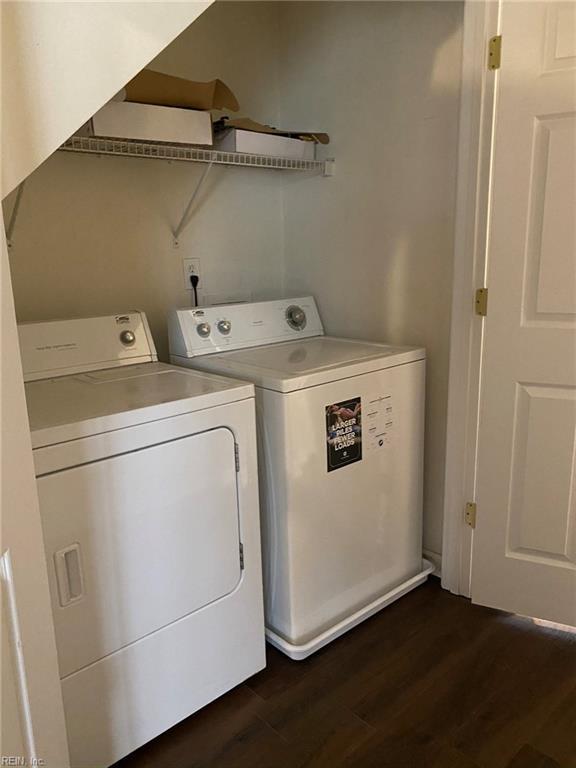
{"x": 203, "y": 330}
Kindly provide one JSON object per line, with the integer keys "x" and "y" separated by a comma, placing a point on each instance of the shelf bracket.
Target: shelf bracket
{"x": 184, "y": 219}
{"x": 329, "y": 167}
{"x": 14, "y": 214}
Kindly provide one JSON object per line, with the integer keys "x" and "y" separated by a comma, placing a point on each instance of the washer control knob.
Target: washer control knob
{"x": 203, "y": 329}
{"x": 296, "y": 317}
{"x": 128, "y": 337}
{"x": 224, "y": 326}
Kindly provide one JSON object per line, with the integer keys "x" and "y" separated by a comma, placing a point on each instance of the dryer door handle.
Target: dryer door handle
{"x": 69, "y": 574}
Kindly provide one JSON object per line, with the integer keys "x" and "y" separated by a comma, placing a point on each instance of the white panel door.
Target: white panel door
{"x": 137, "y": 541}
{"x": 524, "y": 550}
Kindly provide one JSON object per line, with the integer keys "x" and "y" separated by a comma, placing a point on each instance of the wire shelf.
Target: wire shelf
{"x": 187, "y": 153}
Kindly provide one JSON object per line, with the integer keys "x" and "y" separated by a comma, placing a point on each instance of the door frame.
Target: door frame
{"x": 477, "y": 105}
{"x": 31, "y": 658}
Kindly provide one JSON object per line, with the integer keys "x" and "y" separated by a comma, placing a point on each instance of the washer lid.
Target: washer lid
{"x": 70, "y": 407}
{"x": 294, "y": 365}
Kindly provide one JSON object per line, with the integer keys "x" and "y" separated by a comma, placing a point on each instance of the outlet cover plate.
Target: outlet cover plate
{"x": 191, "y": 267}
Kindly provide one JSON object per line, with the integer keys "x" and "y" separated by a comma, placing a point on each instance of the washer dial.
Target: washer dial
{"x": 203, "y": 330}
{"x": 224, "y": 326}
{"x": 128, "y": 338}
{"x": 296, "y": 317}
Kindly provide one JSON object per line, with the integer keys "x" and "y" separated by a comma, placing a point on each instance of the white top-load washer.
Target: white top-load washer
{"x": 147, "y": 482}
{"x": 340, "y": 426}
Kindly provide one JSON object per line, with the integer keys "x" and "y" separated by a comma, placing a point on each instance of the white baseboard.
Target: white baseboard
{"x": 436, "y": 559}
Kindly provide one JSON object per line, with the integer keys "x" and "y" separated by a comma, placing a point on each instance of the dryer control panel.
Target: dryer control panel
{"x": 203, "y": 330}
{"x": 64, "y": 347}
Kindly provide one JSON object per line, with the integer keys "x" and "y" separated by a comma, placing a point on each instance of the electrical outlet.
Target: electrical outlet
{"x": 191, "y": 267}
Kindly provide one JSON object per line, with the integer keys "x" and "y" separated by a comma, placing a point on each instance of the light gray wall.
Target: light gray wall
{"x": 374, "y": 244}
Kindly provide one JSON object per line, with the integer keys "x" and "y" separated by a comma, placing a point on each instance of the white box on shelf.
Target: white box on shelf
{"x": 251, "y": 142}
{"x": 146, "y": 122}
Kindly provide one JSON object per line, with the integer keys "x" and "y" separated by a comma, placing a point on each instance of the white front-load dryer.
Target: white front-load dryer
{"x": 340, "y": 426}
{"x": 147, "y": 482}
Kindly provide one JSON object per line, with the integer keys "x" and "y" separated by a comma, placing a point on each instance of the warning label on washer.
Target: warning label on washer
{"x": 344, "y": 433}
{"x": 379, "y": 423}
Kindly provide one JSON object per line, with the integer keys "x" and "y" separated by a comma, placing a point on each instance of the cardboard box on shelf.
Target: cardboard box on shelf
{"x": 147, "y": 122}
{"x": 246, "y": 135}
{"x": 150, "y": 87}
{"x": 237, "y": 140}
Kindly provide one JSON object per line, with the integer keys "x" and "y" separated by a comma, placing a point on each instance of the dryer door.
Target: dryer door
{"x": 137, "y": 541}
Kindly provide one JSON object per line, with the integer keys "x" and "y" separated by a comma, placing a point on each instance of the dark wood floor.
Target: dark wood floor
{"x": 431, "y": 681}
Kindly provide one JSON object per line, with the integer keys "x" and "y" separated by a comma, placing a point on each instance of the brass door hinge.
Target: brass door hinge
{"x": 470, "y": 514}
{"x": 481, "y": 302}
{"x": 494, "y": 52}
